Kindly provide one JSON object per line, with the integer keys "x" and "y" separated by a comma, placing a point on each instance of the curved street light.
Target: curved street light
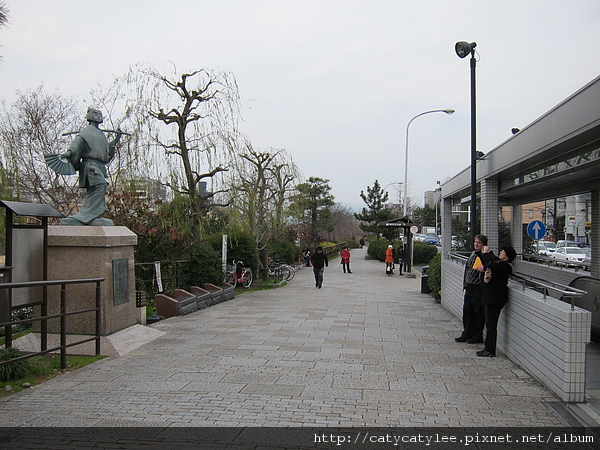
{"x": 447, "y": 111}
{"x": 393, "y": 182}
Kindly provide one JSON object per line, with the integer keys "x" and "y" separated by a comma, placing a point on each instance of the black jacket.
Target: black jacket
{"x": 496, "y": 291}
{"x": 319, "y": 259}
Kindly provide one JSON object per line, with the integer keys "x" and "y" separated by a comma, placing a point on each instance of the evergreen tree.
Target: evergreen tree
{"x": 313, "y": 205}
{"x": 376, "y": 212}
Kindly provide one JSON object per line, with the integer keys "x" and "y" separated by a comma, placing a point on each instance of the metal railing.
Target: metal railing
{"x": 146, "y": 277}
{"x": 62, "y": 316}
{"x": 548, "y": 260}
{"x": 542, "y": 286}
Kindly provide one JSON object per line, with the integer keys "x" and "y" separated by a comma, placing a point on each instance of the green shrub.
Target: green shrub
{"x": 285, "y": 251}
{"x": 240, "y": 247}
{"x": 206, "y": 267}
{"x": 378, "y": 248}
{"x": 434, "y": 277}
{"x": 423, "y": 252}
{"x": 15, "y": 369}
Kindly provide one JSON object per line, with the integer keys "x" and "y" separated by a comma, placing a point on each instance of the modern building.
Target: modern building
{"x": 553, "y": 163}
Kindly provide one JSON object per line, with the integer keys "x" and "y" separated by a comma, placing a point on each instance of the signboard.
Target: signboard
{"x": 536, "y": 230}
{"x": 414, "y": 229}
{"x": 120, "y": 269}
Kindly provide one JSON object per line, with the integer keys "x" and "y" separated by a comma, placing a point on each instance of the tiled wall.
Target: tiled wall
{"x": 543, "y": 336}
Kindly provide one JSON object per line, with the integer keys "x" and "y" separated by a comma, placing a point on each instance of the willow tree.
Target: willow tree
{"x": 184, "y": 127}
{"x": 262, "y": 182}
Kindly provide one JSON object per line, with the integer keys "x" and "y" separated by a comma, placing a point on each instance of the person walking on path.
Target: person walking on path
{"x": 389, "y": 260}
{"x": 494, "y": 292}
{"x": 473, "y": 318}
{"x": 345, "y": 256}
{"x": 319, "y": 262}
{"x": 400, "y": 259}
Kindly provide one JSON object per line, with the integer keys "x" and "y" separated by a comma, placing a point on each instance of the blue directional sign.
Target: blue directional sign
{"x": 536, "y": 230}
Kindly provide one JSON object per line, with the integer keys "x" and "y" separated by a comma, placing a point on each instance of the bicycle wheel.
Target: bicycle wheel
{"x": 292, "y": 273}
{"x": 272, "y": 274}
{"x": 246, "y": 278}
{"x": 231, "y": 278}
{"x": 285, "y": 273}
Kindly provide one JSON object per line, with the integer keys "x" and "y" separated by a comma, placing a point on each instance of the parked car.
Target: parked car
{"x": 420, "y": 237}
{"x": 541, "y": 249}
{"x": 587, "y": 260}
{"x": 431, "y": 238}
{"x": 550, "y": 246}
{"x": 567, "y": 243}
{"x": 569, "y": 254}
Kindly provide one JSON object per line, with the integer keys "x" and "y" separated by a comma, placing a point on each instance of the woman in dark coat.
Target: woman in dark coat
{"x": 494, "y": 292}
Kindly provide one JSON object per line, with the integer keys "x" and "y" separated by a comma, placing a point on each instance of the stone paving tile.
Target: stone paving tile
{"x": 366, "y": 350}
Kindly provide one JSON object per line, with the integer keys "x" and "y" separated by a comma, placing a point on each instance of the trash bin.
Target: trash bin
{"x": 424, "y": 281}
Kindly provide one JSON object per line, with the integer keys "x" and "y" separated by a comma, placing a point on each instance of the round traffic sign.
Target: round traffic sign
{"x": 536, "y": 230}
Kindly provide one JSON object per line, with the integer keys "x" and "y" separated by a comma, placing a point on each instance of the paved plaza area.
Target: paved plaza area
{"x": 365, "y": 350}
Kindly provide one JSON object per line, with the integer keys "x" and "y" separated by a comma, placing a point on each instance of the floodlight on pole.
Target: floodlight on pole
{"x": 447, "y": 111}
{"x": 463, "y": 49}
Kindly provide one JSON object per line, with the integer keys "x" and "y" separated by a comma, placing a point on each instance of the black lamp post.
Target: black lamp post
{"x": 462, "y": 50}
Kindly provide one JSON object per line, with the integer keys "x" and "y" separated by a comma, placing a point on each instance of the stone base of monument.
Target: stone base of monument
{"x": 116, "y": 344}
{"x": 78, "y": 252}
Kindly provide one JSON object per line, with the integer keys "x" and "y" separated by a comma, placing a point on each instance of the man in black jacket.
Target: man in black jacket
{"x": 473, "y": 318}
{"x": 319, "y": 262}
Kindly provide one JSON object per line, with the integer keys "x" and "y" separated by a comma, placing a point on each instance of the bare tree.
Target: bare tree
{"x": 29, "y": 127}
{"x": 345, "y": 225}
{"x": 184, "y": 125}
{"x": 262, "y": 182}
{"x": 3, "y": 16}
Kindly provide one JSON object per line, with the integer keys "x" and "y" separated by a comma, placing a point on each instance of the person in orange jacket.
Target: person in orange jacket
{"x": 345, "y": 255}
{"x": 389, "y": 260}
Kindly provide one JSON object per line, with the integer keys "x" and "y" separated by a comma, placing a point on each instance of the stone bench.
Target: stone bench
{"x": 203, "y": 297}
{"x": 181, "y": 303}
{"x": 215, "y": 291}
{"x": 228, "y": 291}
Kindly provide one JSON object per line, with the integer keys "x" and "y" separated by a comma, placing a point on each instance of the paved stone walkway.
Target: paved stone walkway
{"x": 365, "y": 350}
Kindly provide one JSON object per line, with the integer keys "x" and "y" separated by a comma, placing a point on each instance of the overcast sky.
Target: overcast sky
{"x": 335, "y": 82}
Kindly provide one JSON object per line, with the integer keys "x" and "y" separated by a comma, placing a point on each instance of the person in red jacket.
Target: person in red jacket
{"x": 345, "y": 255}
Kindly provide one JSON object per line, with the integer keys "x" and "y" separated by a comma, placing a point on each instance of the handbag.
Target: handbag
{"x": 487, "y": 275}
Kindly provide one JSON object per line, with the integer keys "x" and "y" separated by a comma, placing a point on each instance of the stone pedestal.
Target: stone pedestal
{"x": 76, "y": 252}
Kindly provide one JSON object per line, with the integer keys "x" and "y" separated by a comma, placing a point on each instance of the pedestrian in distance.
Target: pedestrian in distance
{"x": 389, "y": 260}
{"x": 400, "y": 256}
{"x": 473, "y": 317}
{"x": 306, "y": 257}
{"x": 494, "y": 292}
{"x": 345, "y": 259}
{"x": 319, "y": 262}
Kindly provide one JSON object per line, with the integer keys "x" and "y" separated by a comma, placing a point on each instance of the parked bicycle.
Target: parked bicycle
{"x": 235, "y": 275}
{"x": 280, "y": 271}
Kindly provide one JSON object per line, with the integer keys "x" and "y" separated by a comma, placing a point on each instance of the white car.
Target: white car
{"x": 569, "y": 254}
{"x": 420, "y": 237}
{"x": 542, "y": 250}
{"x": 550, "y": 246}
